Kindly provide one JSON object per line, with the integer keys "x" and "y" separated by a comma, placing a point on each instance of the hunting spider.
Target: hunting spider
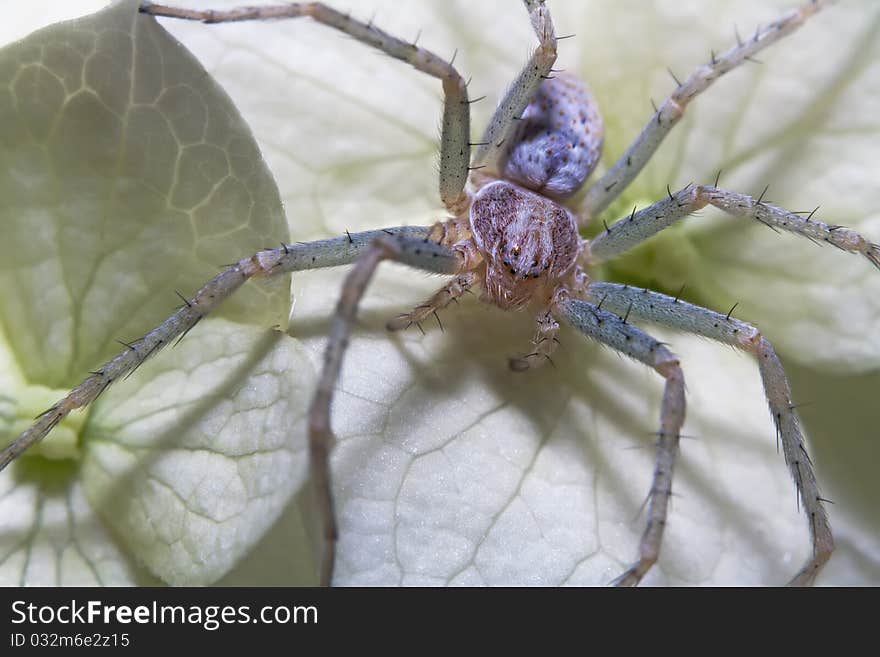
{"x": 511, "y": 235}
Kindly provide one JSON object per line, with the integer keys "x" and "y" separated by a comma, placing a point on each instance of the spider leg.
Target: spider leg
{"x": 544, "y": 344}
{"x": 503, "y": 122}
{"x": 287, "y": 258}
{"x": 623, "y": 235}
{"x": 615, "y": 332}
{"x": 456, "y": 288}
{"x": 420, "y": 254}
{"x": 666, "y": 311}
{"x": 455, "y": 136}
{"x": 624, "y": 171}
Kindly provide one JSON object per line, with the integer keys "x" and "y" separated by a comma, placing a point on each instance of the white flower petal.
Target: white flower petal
{"x": 194, "y": 459}
{"x": 52, "y": 537}
{"x": 449, "y": 469}
{"x": 49, "y": 533}
{"x": 127, "y": 174}
{"x": 803, "y": 122}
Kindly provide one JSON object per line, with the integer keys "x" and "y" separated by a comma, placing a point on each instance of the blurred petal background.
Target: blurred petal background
{"x": 452, "y": 470}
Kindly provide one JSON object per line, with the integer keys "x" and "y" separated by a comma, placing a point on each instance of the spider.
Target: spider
{"x": 511, "y": 235}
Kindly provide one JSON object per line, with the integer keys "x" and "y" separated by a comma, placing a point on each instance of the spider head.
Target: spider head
{"x": 528, "y": 242}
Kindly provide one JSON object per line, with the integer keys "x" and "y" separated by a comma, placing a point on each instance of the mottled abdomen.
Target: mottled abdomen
{"x": 558, "y": 141}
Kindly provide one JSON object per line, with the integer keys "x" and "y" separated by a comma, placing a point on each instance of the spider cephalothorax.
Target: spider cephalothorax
{"x": 511, "y": 235}
{"x": 528, "y": 240}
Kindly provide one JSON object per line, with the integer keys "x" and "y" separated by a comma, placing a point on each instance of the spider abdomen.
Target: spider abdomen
{"x": 558, "y": 140}
{"x": 528, "y": 242}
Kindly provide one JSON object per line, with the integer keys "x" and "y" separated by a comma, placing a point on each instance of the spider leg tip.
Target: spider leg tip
{"x": 873, "y": 254}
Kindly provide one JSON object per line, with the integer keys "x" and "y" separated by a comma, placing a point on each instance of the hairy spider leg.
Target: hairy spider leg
{"x": 453, "y": 291}
{"x": 628, "y": 232}
{"x": 455, "y": 135}
{"x": 667, "y": 311}
{"x": 421, "y": 254}
{"x": 491, "y": 150}
{"x": 414, "y": 246}
{"x": 603, "y": 192}
{"x": 544, "y": 344}
{"x": 272, "y": 262}
{"x": 615, "y": 332}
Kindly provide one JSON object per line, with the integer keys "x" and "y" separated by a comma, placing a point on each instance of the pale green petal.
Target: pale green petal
{"x": 804, "y": 122}
{"x": 448, "y": 467}
{"x": 284, "y": 557}
{"x": 172, "y": 188}
{"x": 50, "y": 535}
{"x": 193, "y": 459}
{"x": 127, "y": 175}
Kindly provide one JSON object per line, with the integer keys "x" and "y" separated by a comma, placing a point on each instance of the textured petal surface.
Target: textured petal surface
{"x": 194, "y": 459}
{"x": 49, "y": 533}
{"x": 449, "y": 469}
{"x": 127, "y": 174}
{"x": 370, "y": 162}
{"x": 803, "y": 122}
